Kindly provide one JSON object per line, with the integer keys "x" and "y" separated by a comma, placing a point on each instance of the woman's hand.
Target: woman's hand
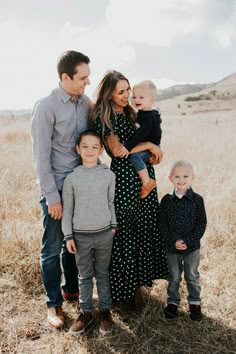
{"x": 157, "y": 154}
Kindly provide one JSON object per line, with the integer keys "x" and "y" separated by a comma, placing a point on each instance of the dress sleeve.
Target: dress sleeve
{"x": 99, "y": 129}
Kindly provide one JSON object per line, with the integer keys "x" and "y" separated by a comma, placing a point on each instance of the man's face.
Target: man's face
{"x": 76, "y": 86}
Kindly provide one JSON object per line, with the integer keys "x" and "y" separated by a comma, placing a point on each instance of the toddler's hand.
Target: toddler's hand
{"x": 180, "y": 245}
{"x": 113, "y": 231}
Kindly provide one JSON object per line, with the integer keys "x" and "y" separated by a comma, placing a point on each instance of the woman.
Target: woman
{"x": 137, "y": 256}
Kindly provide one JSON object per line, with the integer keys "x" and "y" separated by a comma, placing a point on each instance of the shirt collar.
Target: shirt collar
{"x": 65, "y": 96}
{"x": 188, "y": 194}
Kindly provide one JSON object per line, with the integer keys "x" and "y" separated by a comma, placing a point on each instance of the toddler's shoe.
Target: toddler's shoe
{"x": 105, "y": 321}
{"x": 84, "y": 320}
{"x": 195, "y": 312}
{"x": 171, "y": 311}
{"x": 147, "y": 188}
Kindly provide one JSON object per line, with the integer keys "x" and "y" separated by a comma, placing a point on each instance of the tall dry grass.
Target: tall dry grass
{"x": 210, "y": 146}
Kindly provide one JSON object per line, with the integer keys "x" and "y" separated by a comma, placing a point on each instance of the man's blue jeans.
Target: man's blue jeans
{"x": 93, "y": 257}
{"x": 138, "y": 160}
{"x": 187, "y": 263}
{"x": 55, "y": 260}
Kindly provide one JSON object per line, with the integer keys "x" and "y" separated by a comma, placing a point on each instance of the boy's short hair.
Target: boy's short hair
{"x": 180, "y": 163}
{"x": 89, "y": 132}
{"x": 149, "y": 85}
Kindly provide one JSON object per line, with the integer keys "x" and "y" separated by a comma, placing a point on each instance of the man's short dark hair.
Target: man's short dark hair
{"x": 68, "y": 62}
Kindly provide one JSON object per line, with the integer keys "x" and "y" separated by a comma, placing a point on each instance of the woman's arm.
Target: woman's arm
{"x": 114, "y": 144}
{"x": 157, "y": 153}
{"x": 116, "y": 147}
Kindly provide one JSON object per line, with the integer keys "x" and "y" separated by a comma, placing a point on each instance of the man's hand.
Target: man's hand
{"x": 55, "y": 211}
{"x": 70, "y": 244}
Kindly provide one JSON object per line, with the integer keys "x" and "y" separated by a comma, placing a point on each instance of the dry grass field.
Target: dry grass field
{"x": 207, "y": 139}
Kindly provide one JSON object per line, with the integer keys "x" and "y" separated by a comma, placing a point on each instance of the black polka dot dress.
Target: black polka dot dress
{"x": 137, "y": 255}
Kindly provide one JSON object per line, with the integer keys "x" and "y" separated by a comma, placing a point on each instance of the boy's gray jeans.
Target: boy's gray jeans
{"x": 93, "y": 259}
{"x": 187, "y": 263}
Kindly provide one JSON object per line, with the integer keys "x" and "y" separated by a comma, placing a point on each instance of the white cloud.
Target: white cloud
{"x": 154, "y": 22}
{"x": 160, "y": 23}
{"x": 29, "y": 54}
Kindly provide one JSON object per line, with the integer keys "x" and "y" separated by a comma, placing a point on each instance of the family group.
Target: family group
{"x": 102, "y": 224}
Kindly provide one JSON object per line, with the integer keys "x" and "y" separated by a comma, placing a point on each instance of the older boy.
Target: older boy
{"x": 89, "y": 222}
{"x": 182, "y": 224}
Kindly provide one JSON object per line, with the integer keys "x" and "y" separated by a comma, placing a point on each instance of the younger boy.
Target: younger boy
{"x": 143, "y": 96}
{"x": 182, "y": 224}
{"x": 89, "y": 223}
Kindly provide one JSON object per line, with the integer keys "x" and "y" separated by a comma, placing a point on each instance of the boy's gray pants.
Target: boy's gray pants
{"x": 93, "y": 259}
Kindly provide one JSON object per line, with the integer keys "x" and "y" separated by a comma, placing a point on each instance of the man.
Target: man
{"x": 57, "y": 121}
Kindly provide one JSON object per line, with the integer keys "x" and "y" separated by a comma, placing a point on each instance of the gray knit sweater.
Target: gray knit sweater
{"x": 88, "y": 200}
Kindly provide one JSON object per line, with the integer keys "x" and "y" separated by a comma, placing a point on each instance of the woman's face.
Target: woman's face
{"x": 120, "y": 95}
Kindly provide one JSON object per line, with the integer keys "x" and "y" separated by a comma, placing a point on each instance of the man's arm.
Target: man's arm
{"x": 41, "y": 132}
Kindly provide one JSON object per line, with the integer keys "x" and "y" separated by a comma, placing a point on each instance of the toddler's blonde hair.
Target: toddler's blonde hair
{"x": 148, "y": 85}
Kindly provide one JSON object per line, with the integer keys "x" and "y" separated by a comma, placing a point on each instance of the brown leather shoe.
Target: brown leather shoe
{"x": 55, "y": 317}
{"x": 84, "y": 320}
{"x": 69, "y": 296}
{"x": 147, "y": 188}
{"x": 105, "y": 322}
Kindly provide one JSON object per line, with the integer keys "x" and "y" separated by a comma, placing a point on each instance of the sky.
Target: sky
{"x": 167, "y": 41}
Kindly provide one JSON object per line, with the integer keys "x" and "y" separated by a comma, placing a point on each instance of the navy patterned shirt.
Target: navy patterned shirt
{"x": 182, "y": 219}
